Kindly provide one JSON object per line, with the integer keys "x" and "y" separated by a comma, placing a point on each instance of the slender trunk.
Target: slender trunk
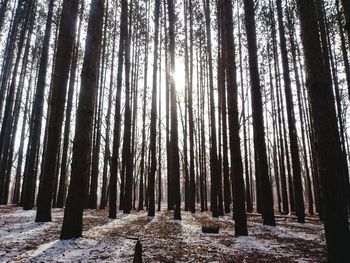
{"x": 214, "y": 176}
{"x": 258, "y": 119}
{"x": 174, "y": 149}
{"x": 153, "y": 132}
{"x": 116, "y": 133}
{"x": 142, "y": 163}
{"x": 293, "y": 137}
{"x": 17, "y": 183}
{"x": 7, "y": 121}
{"x": 107, "y": 153}
{"x": 236, "y": 158}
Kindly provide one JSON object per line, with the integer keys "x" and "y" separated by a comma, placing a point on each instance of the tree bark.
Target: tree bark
{"x": 59, "y": 88}
{"x": 77, "y": 192}
{"x": 326, "y": 132}
{"x": 174, "y": 149}
{"x": 258, "y": 119}
{"x": 236, "y": 157}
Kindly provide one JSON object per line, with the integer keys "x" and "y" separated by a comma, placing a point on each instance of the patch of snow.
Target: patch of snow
{"x": 250, "y": 243}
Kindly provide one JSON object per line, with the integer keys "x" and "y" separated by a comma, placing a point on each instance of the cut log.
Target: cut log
{"x": 210, "y": 229}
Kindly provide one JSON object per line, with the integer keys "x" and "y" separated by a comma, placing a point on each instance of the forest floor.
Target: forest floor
{"x": 163, "y": 239}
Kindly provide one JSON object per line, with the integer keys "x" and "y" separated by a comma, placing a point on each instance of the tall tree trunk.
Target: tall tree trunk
{"x": 160, "y": 188}
{"x": 62, "y": 190}
{"x": 7, "y": 121}
{"x": 174, "y": 149}
{"x": 143, "y": 153}
{"x": 283, "y": 150}
{"x": 116, "y": 133}
{"x": 327, "y": 136}
{"x": 17, "y": 183}
{"x": 214, "y": 176}
{"x": 37, "y": 112}
{"x": 192, "y": 204}
{"x": 153, "y": 131}
{"x": 293, "y": 137}
{"x": 107, "y": 153}
{"x": 73, "y": 214}
{"x": 185, "y": 136}
{"x": 127, "y": 173}
{"x": 302, "y": 125}
{"x": 236, "y": 158}
{"x": 59, "y": 89}
{"x": 6, "y": 167}
{"x": 258, "y": 119}
{"x": 18, "y": 17}
{"x": 244, "y": 116}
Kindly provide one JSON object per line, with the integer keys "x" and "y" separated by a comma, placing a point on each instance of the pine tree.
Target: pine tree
{"x": 258, "y": 119}
{"x": 77, "y": 193}
{"x": 59, "y": 89}
{"x": 326, "y": 132}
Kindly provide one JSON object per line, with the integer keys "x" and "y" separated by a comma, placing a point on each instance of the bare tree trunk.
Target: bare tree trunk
{"x": 116, "y": 138}
{"x": 298, "y": 189}
{"x": 107, "y": 153}
{"x": 77, "y": 192}
{"x": 153, "y": 131}
{"x": 7, "y": 121}
{"x": 59, "y": 88}
{"x": 258, "y": 119}
{"x": 327, "y": 135}
{"x": 174, "y": 149}
{"x": 236, "y": 158}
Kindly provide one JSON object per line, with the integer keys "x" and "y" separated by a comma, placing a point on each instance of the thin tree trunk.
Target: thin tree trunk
{"x": 298, "y": 189}
{"x": 214, "y": 176}
{"x": 258, "y": 119}
{"x": 116, "y": 133}
{"x": 127, "y": 173}
{"x": 153, "y": 132}
{"x": 174, "y": 149}
{"x": 236, "y": 158}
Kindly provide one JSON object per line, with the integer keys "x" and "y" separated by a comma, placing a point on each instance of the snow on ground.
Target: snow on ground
{"x": 163, "y": 239}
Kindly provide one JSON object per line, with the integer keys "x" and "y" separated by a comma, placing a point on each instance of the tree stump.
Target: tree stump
{"x": 138, "y": 252}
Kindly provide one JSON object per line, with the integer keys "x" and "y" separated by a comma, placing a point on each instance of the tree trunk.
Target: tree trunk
{"x": 153, "y": 131}
{"x": 62, "y": 190}
{"x": 258, "y": 119}
{"x": 73, "y": 214}
{"x": 7, "y": 121}
{"x": 214, "y": 176}
{"x": 293, "y": 137}
{"x": 127, "y": 173}
{"x": 59, "y": 88}
{"x": 174, "y": 149}
{"x": 116, "y": 133}
{"x": 236, "y": 158}
{"x": 327, "y": 135}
